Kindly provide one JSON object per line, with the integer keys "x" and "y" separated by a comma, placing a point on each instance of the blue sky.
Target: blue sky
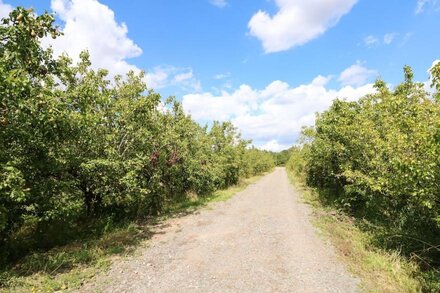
{"x": 267, "y": 65}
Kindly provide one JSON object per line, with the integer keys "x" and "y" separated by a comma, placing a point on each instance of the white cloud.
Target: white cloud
{"x": 91, "y": 25}
{"x": 181, "y": 77}
{"x": 356, "y": 75}
{"x": 4, "y": 9}
{"x": 296, "y": 22}
{"x": 219, "y": 3}
{"x": 406, "y": 38}
{"x": 157, "y": 78}
{"x": 222, "y": 75}
{"x": 207, "y": 107}
{"x": 274, "y": 146}
{"x": 371, "y": 41}
{"x": 272, "y": 116}
{"x": 165, "y": 76}
{"x": 421, "y": 4}
{"x": 389, "y": 38}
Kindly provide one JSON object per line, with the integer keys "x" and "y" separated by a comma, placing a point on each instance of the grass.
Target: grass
{"x": 378, "y": 270}
{"x": 67, "y": 267}
{"x": 194, "y": 202}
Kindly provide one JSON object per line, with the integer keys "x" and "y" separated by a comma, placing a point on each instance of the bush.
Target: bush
{"x": 76, "y": 145}
{"x": 380, "y": 157}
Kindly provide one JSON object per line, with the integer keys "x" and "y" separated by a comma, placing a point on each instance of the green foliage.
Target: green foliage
{"x": 282, "y": 157}
{"x": 435, "y": 74}
{"x": 77, "y": 145}
{"x": 380, "y": 157}
{"x": 377, "y": 269}
{"x": 256, "y": 162}
{"x": 95, "y": 246}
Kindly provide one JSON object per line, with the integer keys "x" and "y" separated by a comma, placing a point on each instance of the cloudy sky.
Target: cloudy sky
{"x": 266, "y": 65}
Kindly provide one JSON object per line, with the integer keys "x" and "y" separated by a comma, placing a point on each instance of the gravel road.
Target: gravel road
{"x": 261, "y": 240}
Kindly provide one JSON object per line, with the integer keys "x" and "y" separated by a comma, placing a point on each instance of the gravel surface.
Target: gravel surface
{"x": 261, "y": 240}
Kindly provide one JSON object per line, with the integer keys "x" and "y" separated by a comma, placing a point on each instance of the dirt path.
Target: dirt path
{"x": 259, "y": 241}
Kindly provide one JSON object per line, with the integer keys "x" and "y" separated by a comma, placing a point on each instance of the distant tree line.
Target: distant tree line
{"x": 282, "y": 157}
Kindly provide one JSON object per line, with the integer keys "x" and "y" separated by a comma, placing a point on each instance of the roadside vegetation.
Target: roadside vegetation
{"x": 68, "y": 267}
{"x": 378, "y": 269}
{"x": 282, "y": 157}
{"x": 376, "y": 162}
{"x": 84, "y": 156}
